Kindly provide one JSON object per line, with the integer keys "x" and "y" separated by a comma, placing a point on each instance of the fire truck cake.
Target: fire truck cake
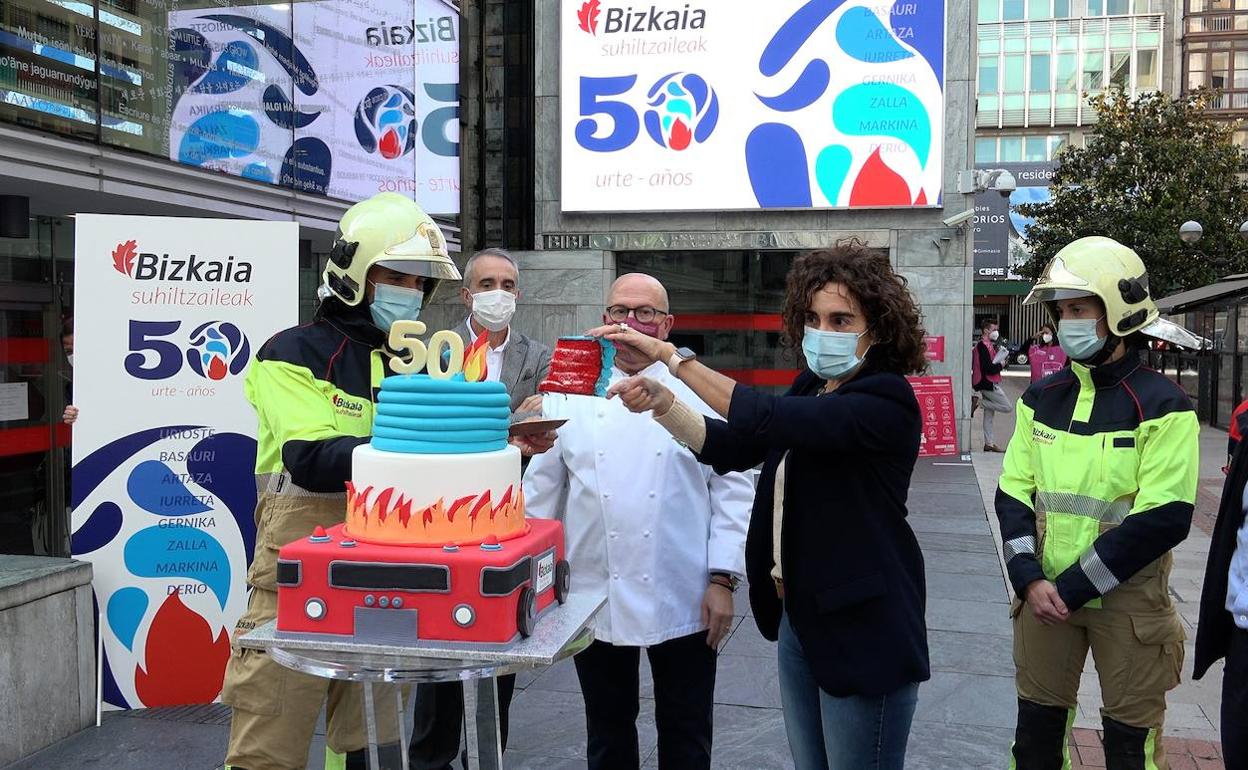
{"x": 580, "y": 366}
{"x": 435, "y": 546}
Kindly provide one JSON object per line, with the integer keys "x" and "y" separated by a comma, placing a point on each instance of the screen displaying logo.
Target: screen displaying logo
{"x": 148, "y": 266}
{"x": 385, "y": 121}
{"x": 683, "y": 109}
{"x": 217, "y": 349}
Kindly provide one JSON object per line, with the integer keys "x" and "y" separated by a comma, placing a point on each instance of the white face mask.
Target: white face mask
{"x": 494, "y": 309}
{"x": 994, "y": 335}
{"x": 70, "y": 358}
{"x": 1047, "y": 338}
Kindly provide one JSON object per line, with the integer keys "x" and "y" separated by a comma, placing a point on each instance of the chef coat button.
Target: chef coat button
{"x": 606, "y": 495}
{"x": 646, "y": 578}
{"x": 613, "y": 534}
{"x": 652, "y": 494}
{"x": 659, "y": 453}
{"x": 602, "y": 414}
{"x": 617, "y": 576}
{"x": 646, "y": 533}
{"x": 601, "y": 453}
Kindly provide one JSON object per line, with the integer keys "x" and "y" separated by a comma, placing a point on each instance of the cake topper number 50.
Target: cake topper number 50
{"x": 404, "y": 336}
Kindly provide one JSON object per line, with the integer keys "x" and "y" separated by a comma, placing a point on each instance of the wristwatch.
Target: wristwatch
{"x": 679, "y": 357}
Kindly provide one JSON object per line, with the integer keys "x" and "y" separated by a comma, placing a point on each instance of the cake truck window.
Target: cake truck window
{"x": 389, "y": 577}
{"x": 501, "y": 581}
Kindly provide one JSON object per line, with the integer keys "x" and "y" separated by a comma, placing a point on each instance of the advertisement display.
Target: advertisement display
{"x": 169, "y": 313}
{"x": 363, "y": 99}
{"x": 940, "y": 431}
{"x": 793, "y": 104}
{"x": 999, "y": 228}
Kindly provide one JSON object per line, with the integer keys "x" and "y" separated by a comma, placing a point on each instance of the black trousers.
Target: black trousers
{"x": 1235, "y": 703}
{"x": 438, "y": 722}
{"x": 684, "y": 690}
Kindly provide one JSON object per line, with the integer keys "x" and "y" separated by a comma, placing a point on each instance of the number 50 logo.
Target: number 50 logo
{"x": 681, "y": 109}
{"x": 213, "y": 350}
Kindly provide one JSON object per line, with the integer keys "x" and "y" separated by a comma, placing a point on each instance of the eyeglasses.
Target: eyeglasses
{"x": 619, "y": 313}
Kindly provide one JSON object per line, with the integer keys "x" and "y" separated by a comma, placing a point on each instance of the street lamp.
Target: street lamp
{"x": 1190, "y": 231}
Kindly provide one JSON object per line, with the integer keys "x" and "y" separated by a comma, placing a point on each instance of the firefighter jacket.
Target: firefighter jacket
{"x": 313, "y": 390}
{"x": 1099, "y": 478}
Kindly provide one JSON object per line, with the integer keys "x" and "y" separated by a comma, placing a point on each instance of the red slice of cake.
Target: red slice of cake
{"x": 580, "y": 366}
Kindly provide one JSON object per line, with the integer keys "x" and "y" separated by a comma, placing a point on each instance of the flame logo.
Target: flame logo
{"x": 587, "y": 17}
{"x": 474, "y": 358}
{"x": 184, "y": 663}
{"x": 390, "y": 517}
{"x": 123, "y": 257}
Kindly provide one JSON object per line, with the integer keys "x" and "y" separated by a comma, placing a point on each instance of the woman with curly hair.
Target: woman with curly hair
{"x": 835, "y": 572}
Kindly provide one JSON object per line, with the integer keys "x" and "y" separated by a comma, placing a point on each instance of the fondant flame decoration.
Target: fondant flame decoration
{"x": 474, "y": 358}
{"x": 387, "y": 516}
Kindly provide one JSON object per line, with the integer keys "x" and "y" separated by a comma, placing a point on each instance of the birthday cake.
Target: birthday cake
{"x": 579, "y": 366}
{"x": 435, "y": 545}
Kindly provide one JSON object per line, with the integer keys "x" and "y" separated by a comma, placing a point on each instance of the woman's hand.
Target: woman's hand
{"x": 71, "y": 415}
{"x": 623, "y": 334}
{"x": 642, "y": 394}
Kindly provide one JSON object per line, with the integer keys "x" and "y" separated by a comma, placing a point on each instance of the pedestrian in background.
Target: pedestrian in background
{"x": 986, "y": 365}
{"x": 835, "y": 572}
{"x": 1098, "y": 486}
{"x": 1045, "y": 355}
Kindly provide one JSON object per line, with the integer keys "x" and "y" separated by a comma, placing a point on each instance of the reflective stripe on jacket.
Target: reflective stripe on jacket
{"x": 1106, "y": 459}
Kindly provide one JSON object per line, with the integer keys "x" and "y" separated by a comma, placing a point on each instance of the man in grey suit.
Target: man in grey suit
{"x": 490, "y": 291}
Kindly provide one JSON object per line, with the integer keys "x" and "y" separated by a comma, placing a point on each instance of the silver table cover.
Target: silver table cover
{"x": 562, "y": 631}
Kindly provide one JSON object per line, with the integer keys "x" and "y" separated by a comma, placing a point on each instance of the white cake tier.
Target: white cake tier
{"x": 419, "y": 499}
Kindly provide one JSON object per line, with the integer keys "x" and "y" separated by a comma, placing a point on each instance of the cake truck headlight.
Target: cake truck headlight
{"x": 464, "y": 615}
{"x": 314, "y": 608}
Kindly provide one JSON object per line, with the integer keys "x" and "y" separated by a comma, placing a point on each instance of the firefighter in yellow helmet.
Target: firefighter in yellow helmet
{"x": 312, "y": 388}
{"x": 1098, "y": 486}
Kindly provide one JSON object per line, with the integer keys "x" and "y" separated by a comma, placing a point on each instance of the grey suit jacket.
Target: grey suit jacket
{"x": 525, "y": 363}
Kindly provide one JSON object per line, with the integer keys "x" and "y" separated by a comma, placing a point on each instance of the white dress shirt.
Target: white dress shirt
{"x": 644, "y": 521}
{"x": 493, "y": 356}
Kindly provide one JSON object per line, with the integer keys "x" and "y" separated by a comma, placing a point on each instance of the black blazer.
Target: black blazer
{"x": 1213, "y": 632}
{"x": 853, "y": 573}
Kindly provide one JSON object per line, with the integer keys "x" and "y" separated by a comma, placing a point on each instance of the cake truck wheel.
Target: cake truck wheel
{"x": 563, "y": 580}
{"x": 526, "y": 614}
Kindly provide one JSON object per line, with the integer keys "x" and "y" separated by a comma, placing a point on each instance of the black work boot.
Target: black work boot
{"x": 1126, "y": 747}
{"x": 389, "y": 755}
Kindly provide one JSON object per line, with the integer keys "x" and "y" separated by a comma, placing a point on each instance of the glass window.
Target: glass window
{"x": 1219, "y": 63}
{"x": 1015, "y": 44}
{"x": 1196, "y": 6}
{"x": 1040, "y": 74}
{"x": 1118, "y": 7}
{"x": 1093, "y": 71}
{"x": 1011, "y": 149}
{"x": 1013, "y": 101}
{"x": 47, "y": 66}
{"x": 985, "y": 150}
{"x": 1096, "y": 7}
{"x": 1240, "y": 78}
{"x": 1061, "y": 9}
{"x": 1120, "y": 40}
{"x": 1039, "y": 9}
{"x": 1056, "y": 145}
{"x": 1068, "y": 42}
{"x": 1012, "y": 10}
{"x": 1042, "y": 43}
{"x": 1147, "y": 39}
{"x": 1195, "y": 70}
{"x": 1036, "y": 149}
{"x": 1013, "y": 80}
{"x": 989, "y": 10}
{"x": 1040, "y": 101}
{"x": 988, "y": 72}
{"x": 990, "y": 45}
{"x": 1067, "y": 72}
{"x": 1120, "y": 70}
{"x": 1146, "y": 70}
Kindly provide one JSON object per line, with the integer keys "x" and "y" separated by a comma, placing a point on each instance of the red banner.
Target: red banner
{"x": 935, "y": 348}
{"x": 940, "y": 432}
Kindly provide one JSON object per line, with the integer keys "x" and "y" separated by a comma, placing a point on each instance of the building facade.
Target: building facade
{"x": 1215, "y": 56}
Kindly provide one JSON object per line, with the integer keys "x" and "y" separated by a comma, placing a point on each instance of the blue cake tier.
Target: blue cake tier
{"x": 420, "y": 415}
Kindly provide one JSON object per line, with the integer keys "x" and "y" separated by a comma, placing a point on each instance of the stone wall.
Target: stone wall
{"x": 935, "y": 259}
{"x": 47, "y": 658}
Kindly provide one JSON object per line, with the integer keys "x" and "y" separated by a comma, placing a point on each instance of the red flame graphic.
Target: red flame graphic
{"x": 475, "y": 367}
{"x": 681, "y": 135}
{"x": 922, "y": 199}
{"x": 217, "y": 368}
{"x": 184, "y": 663}
{"x": 879, "y": 185}
{"x": 506, "y": 501}
{"x": 390, "y": 148}
{"x": 123, "y": 257}
{"x": 483, "y": 504}
{"x": 588, "y": 17}
{"x": 457, "y": 505}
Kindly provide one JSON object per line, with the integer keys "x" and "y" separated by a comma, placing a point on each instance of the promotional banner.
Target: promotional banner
{"x": 363, "y": 99}
{"x": 786, "y": 104}
{"x": 168, "y": 314}
{"x": 940, "y": 432}
{"x": 999, "y": 228}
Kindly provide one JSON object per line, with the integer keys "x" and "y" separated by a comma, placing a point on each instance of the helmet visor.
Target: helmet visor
{"x": 1056, "y": 283}
{"x": 426, "y": 267}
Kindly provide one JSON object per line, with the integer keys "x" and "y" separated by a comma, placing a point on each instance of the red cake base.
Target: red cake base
{"x": 405, "y": 595}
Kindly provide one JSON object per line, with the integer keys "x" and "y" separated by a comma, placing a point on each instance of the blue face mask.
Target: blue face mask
{"x": 394, "y": 303}
{"x": 1078, "y": 337}
{"x": 831, "y": 355}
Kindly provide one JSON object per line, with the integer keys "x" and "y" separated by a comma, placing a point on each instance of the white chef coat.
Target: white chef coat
{"x": 493, "y": 356}
{"x": 643, "y": 519}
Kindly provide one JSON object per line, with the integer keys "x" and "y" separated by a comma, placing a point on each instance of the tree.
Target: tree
{"x": 1154, "y": 163}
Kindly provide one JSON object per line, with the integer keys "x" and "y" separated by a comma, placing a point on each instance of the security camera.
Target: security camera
{"x": 959, "y": 218}
{"x": 1003, "y": 182}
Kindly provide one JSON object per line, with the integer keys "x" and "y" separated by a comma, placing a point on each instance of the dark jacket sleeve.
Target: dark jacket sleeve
{"x": 986, "y": 366}
{"x": 728, "y": 450}
{"x": 323, "y": 465}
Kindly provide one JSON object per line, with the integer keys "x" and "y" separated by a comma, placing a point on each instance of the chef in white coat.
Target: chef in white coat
{"x": 661, "y": 534}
